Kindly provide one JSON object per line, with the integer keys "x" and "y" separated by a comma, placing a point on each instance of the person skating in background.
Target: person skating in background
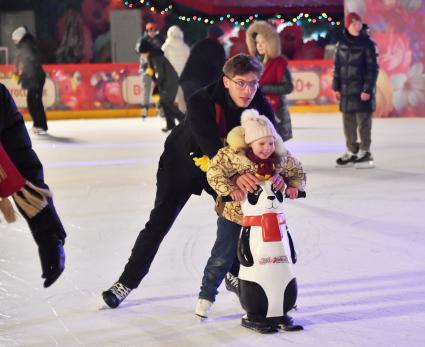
{"x": 26, "y": 185}
{"x": 177, "y": 52}
{"x": 354, "y": 82}
{"x": 153, "y": 36}
{"x": 211, "y": 113}
{"x": 257, "y": 149}
{"x": 166, "y": 80}
{"x": 263, "y": 42}
{"x": 205, "y": 62}
{"x": 31, "y": 76}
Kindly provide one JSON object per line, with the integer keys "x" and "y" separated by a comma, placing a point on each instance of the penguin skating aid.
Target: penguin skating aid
{"x": 267, "y": 283}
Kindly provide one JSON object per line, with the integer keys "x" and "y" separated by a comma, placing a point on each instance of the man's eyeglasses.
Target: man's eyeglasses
{"x": 241, "y": 84}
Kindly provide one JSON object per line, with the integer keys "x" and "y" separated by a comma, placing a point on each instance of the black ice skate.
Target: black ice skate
{"x": 115, "y": 295}
{"x": 231, "y": 283}
{"x": 364, "y": 161}
{"x": 346, "y": 160}
{"x": 262, "y": 327}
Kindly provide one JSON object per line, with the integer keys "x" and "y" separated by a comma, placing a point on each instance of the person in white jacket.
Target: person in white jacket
{"x": 177, "y": 52}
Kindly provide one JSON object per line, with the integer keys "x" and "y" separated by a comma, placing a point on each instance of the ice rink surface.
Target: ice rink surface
{"x": 360, "y": 236}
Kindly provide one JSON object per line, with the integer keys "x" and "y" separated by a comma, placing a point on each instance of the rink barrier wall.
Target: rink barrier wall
{"x": 114, "y": 90}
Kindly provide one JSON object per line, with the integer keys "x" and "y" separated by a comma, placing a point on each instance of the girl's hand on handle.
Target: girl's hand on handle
{"x": 237, "y": 195}
{"x": 247, "y": 182}
{"x": 291, "y": 192}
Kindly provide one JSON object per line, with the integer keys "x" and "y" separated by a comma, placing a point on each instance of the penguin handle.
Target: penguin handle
{"x": 301, "y": 194}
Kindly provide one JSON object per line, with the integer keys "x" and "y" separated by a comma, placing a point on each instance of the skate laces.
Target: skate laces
{"x": 120, "y": 291}
{"x": 232, "y": 279}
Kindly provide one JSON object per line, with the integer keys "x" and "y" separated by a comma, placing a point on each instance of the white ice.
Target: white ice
{"x": 360, "y": 237}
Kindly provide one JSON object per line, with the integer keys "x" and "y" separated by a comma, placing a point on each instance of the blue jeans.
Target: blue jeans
{"x": 222, "y": 260}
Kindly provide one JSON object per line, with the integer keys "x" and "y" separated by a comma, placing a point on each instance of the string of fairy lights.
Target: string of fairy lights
{"x": 234, "y": 20}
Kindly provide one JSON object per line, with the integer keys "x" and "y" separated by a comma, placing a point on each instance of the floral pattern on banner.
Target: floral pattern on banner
{"x": 397, "y": 27}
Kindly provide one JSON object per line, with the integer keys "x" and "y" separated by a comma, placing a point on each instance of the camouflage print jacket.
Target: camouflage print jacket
{"x": 231, "y": 160}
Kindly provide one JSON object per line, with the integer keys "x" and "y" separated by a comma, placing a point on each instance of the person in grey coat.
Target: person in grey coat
{"x": 31, "y": 76}
{"x": 354, "y": 82}
{"x": 153, "y": 36}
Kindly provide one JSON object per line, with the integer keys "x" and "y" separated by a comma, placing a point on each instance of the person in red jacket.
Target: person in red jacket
{"x": 263, "y": 43}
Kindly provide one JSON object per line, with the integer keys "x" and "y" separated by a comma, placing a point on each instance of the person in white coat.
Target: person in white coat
{"x": 177, "y": 52}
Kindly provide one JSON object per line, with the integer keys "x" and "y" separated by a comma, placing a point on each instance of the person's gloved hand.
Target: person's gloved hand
{"x": 31, "y": 199}
{"x": 15, "y": 77}
{"x": 149, "y": 71}
{"x": 202, "y": 162}
{"x": 52, "y": 257}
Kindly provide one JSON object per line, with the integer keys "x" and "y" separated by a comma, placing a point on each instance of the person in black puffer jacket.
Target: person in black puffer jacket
{"x": 204, "y": 64}
{"x": 31, "y": 76}
{"x": 355, "y": 74}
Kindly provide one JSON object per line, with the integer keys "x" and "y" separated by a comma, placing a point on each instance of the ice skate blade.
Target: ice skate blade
{"x": 343, "y": 166}
{"x": 201, "y": 317}
{"x": 365, "y": 165}
{"x": 291, "y": 327}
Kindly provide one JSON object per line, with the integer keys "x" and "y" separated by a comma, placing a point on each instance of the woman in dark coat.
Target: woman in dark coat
{"x": 31, "y": 76}
{"x": 205, "y": 63}
{"x": 166, "y": 80}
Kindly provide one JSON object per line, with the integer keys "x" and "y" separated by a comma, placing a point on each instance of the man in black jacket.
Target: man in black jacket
{"x": 31, "y": 76}
{"x": 46, "y": 226}
{"x": 211, "y": 113}
{"x": 355, "y": 74}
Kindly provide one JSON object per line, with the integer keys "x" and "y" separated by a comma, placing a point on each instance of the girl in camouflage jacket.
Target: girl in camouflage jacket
{"x": 240, "y": 157}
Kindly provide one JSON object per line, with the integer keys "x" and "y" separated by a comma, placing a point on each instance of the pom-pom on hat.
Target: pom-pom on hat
{"x": 350, "y": 17}
{"x": 18, "y": 34}
{"x": 256, "y": 126}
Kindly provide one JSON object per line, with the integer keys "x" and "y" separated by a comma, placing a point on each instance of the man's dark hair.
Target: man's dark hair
{"x": 241, "y": 64}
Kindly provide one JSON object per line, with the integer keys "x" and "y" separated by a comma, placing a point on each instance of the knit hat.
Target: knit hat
{"x": 256, "y": 126}
{"x": 18, "y": 34}
{"x": 350, "y": 17}
{"x": 145, "y": 46}
{"x": 215, "y": 31}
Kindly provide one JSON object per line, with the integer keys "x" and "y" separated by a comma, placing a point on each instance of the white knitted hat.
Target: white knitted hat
{"x": 18, "y": 34}
{"x": 256, "y": 126}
